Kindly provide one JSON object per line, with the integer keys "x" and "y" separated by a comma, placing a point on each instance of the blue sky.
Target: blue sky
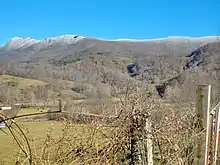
{"x": 110, "y": 19}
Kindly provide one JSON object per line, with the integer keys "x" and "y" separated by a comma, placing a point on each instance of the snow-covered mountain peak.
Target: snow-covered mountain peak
{"x": 63, "y": 40}
{"x": 18, "y": 42}
{"x": 22, "y": 43}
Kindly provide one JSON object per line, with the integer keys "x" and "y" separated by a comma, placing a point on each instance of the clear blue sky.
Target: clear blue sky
{"x": 109, "y": 19}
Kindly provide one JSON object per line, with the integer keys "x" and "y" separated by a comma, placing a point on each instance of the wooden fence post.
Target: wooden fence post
{"x": 207, "y": 147}
{"x": 199, "y": 125}
{"x": 148, "y": 129}
{"x": 60, "y": 105}
{"x": 141, "y": 141}
{"x": 218, "y": 145}
{"x": 216, "y": 140}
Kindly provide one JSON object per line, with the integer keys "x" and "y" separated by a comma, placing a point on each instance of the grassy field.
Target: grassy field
{"x": 9, "y": 148}
{"x": 37, "y": 131}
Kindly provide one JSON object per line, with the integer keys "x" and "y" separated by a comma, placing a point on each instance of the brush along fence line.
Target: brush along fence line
{"x": 82, "y": 118}
{"x": 55, "y": 113}
{"x": 139, "y": 154}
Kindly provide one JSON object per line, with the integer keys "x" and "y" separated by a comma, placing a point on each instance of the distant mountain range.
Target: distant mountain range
{"x": 92, "y": 60}
{"x": 24, "y": 48}
{"x": 22, "y": 43}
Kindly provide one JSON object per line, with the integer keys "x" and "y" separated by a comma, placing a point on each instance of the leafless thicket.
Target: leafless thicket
{"x": 116, "y": 139}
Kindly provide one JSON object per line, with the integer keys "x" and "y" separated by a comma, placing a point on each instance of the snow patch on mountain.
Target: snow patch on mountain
{"x": 173, "y": 38}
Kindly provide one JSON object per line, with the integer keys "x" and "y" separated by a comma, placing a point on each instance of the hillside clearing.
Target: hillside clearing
{"x": 21, "y": 83}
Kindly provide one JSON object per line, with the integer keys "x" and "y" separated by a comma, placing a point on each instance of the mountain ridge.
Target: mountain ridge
{"x": 20, "y": 42}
